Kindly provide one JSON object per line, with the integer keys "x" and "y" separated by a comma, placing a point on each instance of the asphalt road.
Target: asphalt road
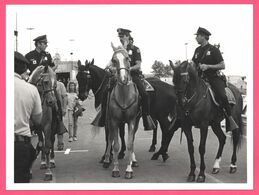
{"x": 79, "y": 161}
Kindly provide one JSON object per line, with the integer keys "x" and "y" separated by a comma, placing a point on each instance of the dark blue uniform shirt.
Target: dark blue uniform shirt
{"x": 135, "y": 55}
{"x": 35, "y": 58}
{"x": 212, "y": 56}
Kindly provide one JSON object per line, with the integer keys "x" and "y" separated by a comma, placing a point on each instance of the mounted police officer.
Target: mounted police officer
{"x": 40, "y": 57}
{"x": 135, "y": 71}
{"x": 209, "y": 61}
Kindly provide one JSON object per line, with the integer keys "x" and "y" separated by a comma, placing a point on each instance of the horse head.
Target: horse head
{"x": 44, "y": 78}
{"x": 121, "y": 62}
{"x": 184, "y": 79}
{"x": 84, "y": 79}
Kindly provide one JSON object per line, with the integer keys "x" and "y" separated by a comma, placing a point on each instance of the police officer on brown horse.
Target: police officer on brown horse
{"x": 39, "y": 57}
{"x": 135, "y": 71}
{"x": 209, "y": 61}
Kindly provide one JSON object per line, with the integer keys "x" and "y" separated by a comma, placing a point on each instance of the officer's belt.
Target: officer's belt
{"x": 21, "y": 138}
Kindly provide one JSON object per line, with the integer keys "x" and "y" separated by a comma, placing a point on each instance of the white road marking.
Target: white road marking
{"x": 67, "y": 151}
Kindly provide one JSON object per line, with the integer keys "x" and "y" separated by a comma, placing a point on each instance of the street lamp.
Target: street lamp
{"x": 186, "y": 55}
{"x": 30, "y": 29}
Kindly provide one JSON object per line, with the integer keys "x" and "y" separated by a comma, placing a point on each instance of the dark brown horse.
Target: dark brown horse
{"x": 44, "y": 79}
{"x": 196, "y": 108}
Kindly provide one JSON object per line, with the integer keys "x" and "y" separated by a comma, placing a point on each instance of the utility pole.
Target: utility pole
{"x": 16, "y": 35}
{"x": 186, "y": 54}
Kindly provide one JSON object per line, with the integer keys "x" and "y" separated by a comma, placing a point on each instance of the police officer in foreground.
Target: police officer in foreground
{"x": 27, "y": 105}
{"x": 135, "y": 71}
{"x": 39, "y": 57}
{"x": 209, "y": 61}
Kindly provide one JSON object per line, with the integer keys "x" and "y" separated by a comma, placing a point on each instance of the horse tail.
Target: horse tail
{"x": 237, "y": 135}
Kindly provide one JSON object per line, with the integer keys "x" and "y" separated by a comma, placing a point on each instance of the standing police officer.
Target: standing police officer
{"x": 209, "y": 61}
{"x": 39, "y": 56}
{"x": 27, "y": 105}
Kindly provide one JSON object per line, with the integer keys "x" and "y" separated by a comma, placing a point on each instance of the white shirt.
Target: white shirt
{"x": 27, "y": 102}
{"x": 72, "y": 99}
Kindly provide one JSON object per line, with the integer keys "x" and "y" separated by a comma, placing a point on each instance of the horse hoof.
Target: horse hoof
{"x": 215, "y": 170}
{"x": 106, "y": 165}
{"x": 128, "y": 175}
{"x": 115, "y": 173}
{"x": 121, "y": 155}
{"x": 52, "y": 165}
{"x": 155, "y": 156}
{"x": 152, "y": 149}
{"x": 135, "y": 164}
{"x": 165, "y": 157}
{"x": 101, "y": 161}
{"x": 43, "y": 166}
{"x": 201, "y": 179}
{"x": 191, "y": 178}
{"x": 48, "y": 177}
{"x": 30, "y": 176}
{"x": 232, "y": 170}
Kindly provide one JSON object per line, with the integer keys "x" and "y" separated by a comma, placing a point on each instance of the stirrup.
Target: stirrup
{"x": 232, "y": 124}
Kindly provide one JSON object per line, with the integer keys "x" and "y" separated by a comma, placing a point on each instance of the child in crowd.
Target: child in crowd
{"x": 72, "y": 105}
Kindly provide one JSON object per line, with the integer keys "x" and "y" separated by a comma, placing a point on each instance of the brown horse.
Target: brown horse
{"x": 44, "y": 78}
{"x": 196, "y": 108}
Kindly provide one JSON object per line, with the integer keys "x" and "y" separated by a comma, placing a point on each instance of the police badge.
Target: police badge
{"x": 130, "y": 52}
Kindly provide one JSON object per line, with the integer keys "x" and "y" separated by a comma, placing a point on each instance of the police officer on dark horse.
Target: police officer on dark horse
{"x": 209, "y": 61}
{"x": 135, "y": 70}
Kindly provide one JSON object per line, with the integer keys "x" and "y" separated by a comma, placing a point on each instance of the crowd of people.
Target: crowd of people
{"x": 207, "y": 58}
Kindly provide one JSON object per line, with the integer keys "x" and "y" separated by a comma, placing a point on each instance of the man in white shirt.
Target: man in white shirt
{"x": 27, "y": 105}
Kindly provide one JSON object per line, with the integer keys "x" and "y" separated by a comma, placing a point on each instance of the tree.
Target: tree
{"x": 161, "y": 70}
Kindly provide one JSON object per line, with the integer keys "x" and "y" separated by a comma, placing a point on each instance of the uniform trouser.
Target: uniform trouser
{"x": 144, "y": 95}
{"x": 24, "y": 155}
{"x": 218, "y": 86}
{"x": 72, "y": 124}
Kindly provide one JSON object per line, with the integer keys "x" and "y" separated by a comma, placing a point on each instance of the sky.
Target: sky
{"x": 162, "y": 32}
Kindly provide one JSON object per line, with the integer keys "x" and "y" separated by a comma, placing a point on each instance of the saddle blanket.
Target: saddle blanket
{"x": 229, "y": 93}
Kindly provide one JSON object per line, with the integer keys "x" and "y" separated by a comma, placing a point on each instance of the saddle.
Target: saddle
{"x": 229, "y": 94}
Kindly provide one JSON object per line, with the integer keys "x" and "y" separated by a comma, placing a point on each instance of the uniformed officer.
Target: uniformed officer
{"x": 209, "y": 61}
{"x": 27, "y": 106}
{"x": 135, "y": 71}
{"x": 39, "y": 56}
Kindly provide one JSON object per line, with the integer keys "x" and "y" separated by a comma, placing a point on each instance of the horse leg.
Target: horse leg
{"x": 48, "y": 173}
{"x": 222, "y": 139}
{"x": 154, "y": 139}
{"x": 52, "y": 154}
{"x": 116, "y": 147}
{"x": 107, "y": 157}
{"x": 106, "y": 140}
{"x": 202, "y": 148}
{"x": 131, "y": 132}
{"x": 123, "y": 145}
{"x": 166, "y": 139}
{"x": 43, "y": 164}
{"x": 188, "y": 133}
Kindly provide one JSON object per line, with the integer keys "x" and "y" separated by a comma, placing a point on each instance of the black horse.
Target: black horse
{"x": 196, "y": 108}
{"x": 162, "y": 101}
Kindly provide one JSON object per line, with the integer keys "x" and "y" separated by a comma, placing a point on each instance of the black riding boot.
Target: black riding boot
{"x": 148, "y": 122}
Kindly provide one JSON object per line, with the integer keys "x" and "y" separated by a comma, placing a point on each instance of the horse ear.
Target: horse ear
{"x": 92, "y": 63}
{"x": 87, "y": 64}
{"x": 113, "y": 47}
{"x": 79, "y": 63}
{"x": 171, "y": 64}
